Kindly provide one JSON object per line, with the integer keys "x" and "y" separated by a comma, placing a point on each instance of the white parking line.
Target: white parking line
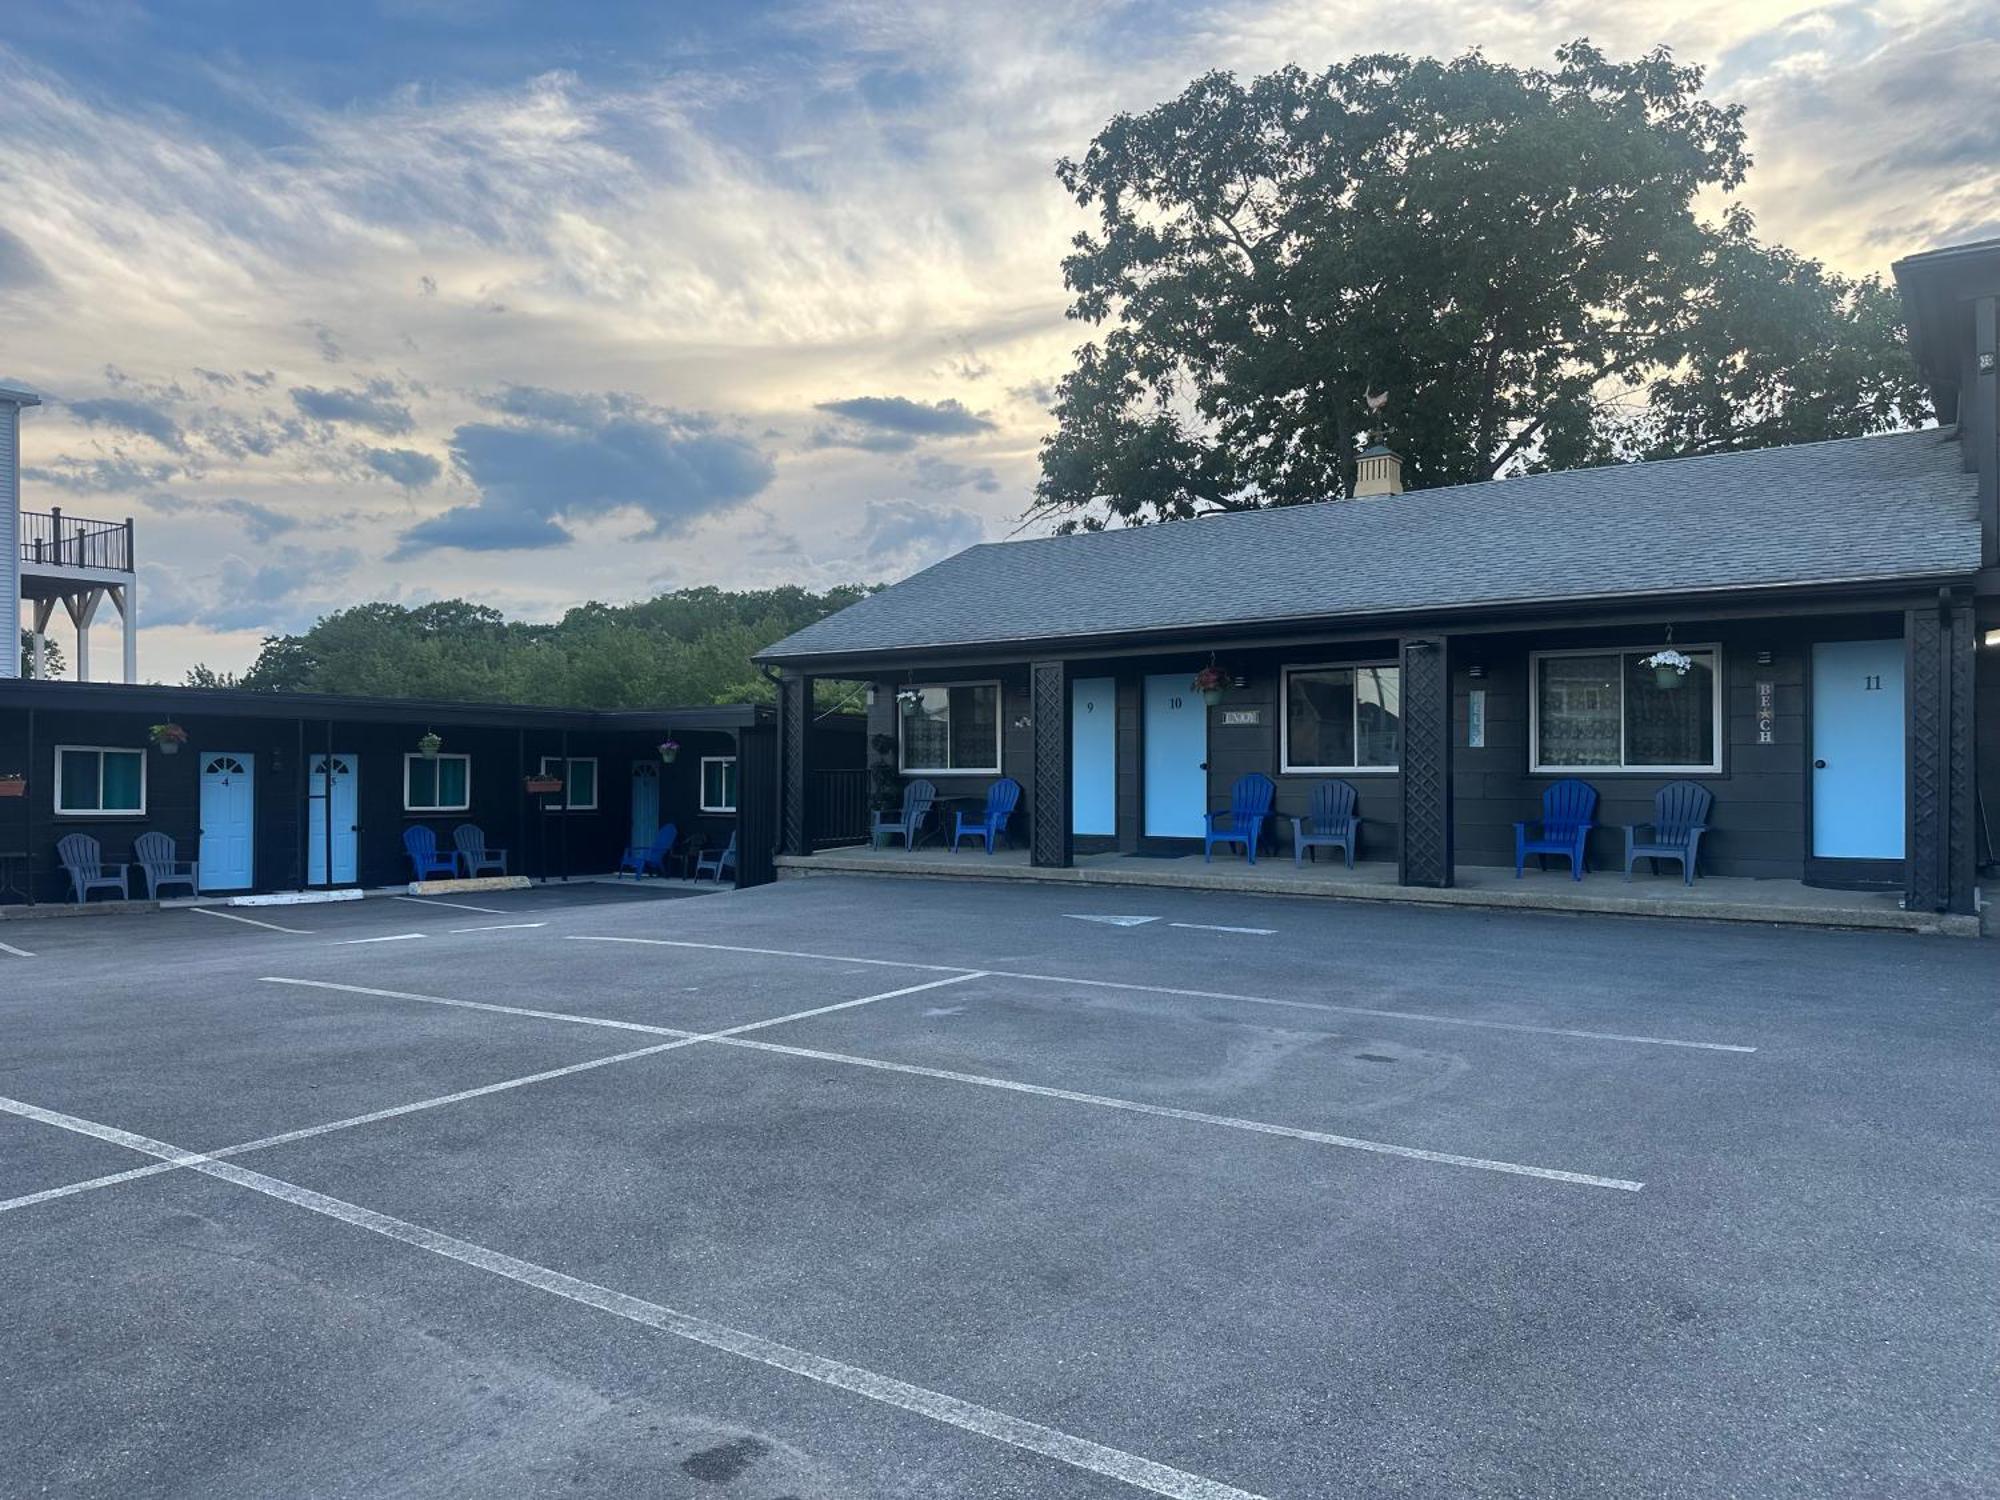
{"x": 230, "y": 916}
{"x": 17, "y": 952}
{"x": 732, "y": 1037}
{"x": 1426, "y": 1017}
{"x": 679, "y": 1039}
{"x": 393, "y": 937}
{"x": 500, "y": 927}
{"x": 1211, "y": 927}
{"x": 491, "y": 911}
{"x": 828, "y": 958}
{"x": 1017, "y": 1432}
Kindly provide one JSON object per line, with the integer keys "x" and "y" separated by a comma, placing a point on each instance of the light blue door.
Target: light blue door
{"x": 1176, "y": 728}
{"x": 228, "y": 822}
{"x": 1093, "y": 739}
{"x": 645, "y": 802}
{"x": 342, "y": 815}
{"x": 1857, "y": 746}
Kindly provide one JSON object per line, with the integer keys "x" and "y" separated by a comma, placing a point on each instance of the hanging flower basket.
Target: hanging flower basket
{"x": 912, "y": 700}
{"x": 670, "y": 751}
{"x": 1669, "y": 667}
{"x": 542, "y": 786}
{"x": 168, "y": 738}
{"x": 1211, "y": 681}
{"x": 429, "y": 745}
{"x": 13, "y": 786}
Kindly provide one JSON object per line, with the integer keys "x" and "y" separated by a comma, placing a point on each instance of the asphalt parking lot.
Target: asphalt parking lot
{"x": 865, "y": 1188}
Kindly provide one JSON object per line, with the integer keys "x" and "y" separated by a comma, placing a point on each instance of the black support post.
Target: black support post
{"x": 757, "y": 794}
{"x": 1426, "y": 855}
{"x": 1050, "y": 844}
{"x": 794, "y": 729}
{"x": 1942, "y": 807}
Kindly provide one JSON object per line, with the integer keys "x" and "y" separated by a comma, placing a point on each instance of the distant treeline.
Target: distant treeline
{"x": 692, "y": 646}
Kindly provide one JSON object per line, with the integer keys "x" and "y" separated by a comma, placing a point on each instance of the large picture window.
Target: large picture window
{"x": 96, "y": 782}
{"x": 954, "y": 729}
{"x": 579, "y": 793}
{"x": 437, "y": 783}
{"x": 1609, "y": 711}
{"x": 1343, "y": 718}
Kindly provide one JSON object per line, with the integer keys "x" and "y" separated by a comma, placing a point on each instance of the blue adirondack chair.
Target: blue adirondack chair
{"x": 1680, "y": 818}
{"x": 1567, "y": 810}
{"x": 917, "y": 799}
{"x": 421, "y": 845}
{"x": 159, "y": 862}
{"x": 470, "y": 840}
{"x": 1330, "y": 824}
{"x": 641, "y": 858}
{"x": 1001, "y": 799}
{"x": 717, "y": 865}
{"x": 1243, "y": 820}
{"x": 83, "y": 861}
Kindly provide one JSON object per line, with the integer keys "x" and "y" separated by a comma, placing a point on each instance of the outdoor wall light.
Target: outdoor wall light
{"x": 1763, "y": 658}
{"x": 1992, "y": 638}
{"x": 1477, "y": 669}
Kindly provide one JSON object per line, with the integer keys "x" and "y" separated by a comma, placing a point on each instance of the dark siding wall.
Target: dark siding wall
{"x": 1234, "y": 750}
{"x": 1761, "y": 819}
{"x": 1017, "y": 744}
{"x": 1758, "y": 827}
{"x": 538, "y": 844}
{"x": 173, "y": 791}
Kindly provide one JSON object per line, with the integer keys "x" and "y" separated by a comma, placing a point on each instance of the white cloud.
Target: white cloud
{"x": 865, "y": 212}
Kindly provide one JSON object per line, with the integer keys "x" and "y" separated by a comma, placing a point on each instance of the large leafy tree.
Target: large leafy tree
{"x": 1512, "y": 257}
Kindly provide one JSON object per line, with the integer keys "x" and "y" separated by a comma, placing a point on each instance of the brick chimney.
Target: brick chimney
{"x": 1378, "y": 471}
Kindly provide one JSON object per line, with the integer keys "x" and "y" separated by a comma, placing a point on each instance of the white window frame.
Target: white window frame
{"x": 465, "y": 806}
{"x": 100, "y": 811}
{"x": 1285, "y": 766}
{"x": 596, "y": 782}
{"x": 1718, "y": 735}
{"x": 701, "y": 789}
{"x": 999, "y": 729}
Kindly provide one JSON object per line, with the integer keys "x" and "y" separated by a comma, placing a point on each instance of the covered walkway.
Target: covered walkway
{"x": 1710, "y": 899}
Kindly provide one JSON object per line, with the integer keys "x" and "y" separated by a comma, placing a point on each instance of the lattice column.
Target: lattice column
{"x": 794, "y": 722}
{"x": 1942, "y": 805}
{"x": 1049, "y": 809}
{"x": 1426, "y": 857}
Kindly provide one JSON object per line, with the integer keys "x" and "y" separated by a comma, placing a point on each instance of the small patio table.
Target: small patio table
{"x": 14, "y": 877}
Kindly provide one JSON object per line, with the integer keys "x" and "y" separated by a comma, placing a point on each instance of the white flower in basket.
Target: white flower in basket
{"x": 1669, "y": 666}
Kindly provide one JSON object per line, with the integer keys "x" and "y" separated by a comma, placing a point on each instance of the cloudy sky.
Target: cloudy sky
{"x": 534, "y": 303}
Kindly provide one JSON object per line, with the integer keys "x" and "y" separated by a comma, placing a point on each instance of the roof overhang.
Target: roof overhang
{"x": 1813, "y": 596}
{"x": 118, "y": 697}
{"x": 1936, "y": 285}
{"x": 14, "y": 395}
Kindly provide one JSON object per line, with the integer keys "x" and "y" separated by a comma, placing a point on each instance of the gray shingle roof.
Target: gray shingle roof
{"x": 1893, "y": 506}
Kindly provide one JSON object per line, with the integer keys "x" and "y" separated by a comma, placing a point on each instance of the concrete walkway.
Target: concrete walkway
{"x": 1710, "y": 899}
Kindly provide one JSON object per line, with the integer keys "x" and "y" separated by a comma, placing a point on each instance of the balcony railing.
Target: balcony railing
{"x": 53, "y": 539}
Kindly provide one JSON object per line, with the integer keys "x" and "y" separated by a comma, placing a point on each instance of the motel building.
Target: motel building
{"x": 1806, "y": 633}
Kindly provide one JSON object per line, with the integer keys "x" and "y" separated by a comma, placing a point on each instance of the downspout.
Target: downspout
{"x": 1947, "y": 812}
